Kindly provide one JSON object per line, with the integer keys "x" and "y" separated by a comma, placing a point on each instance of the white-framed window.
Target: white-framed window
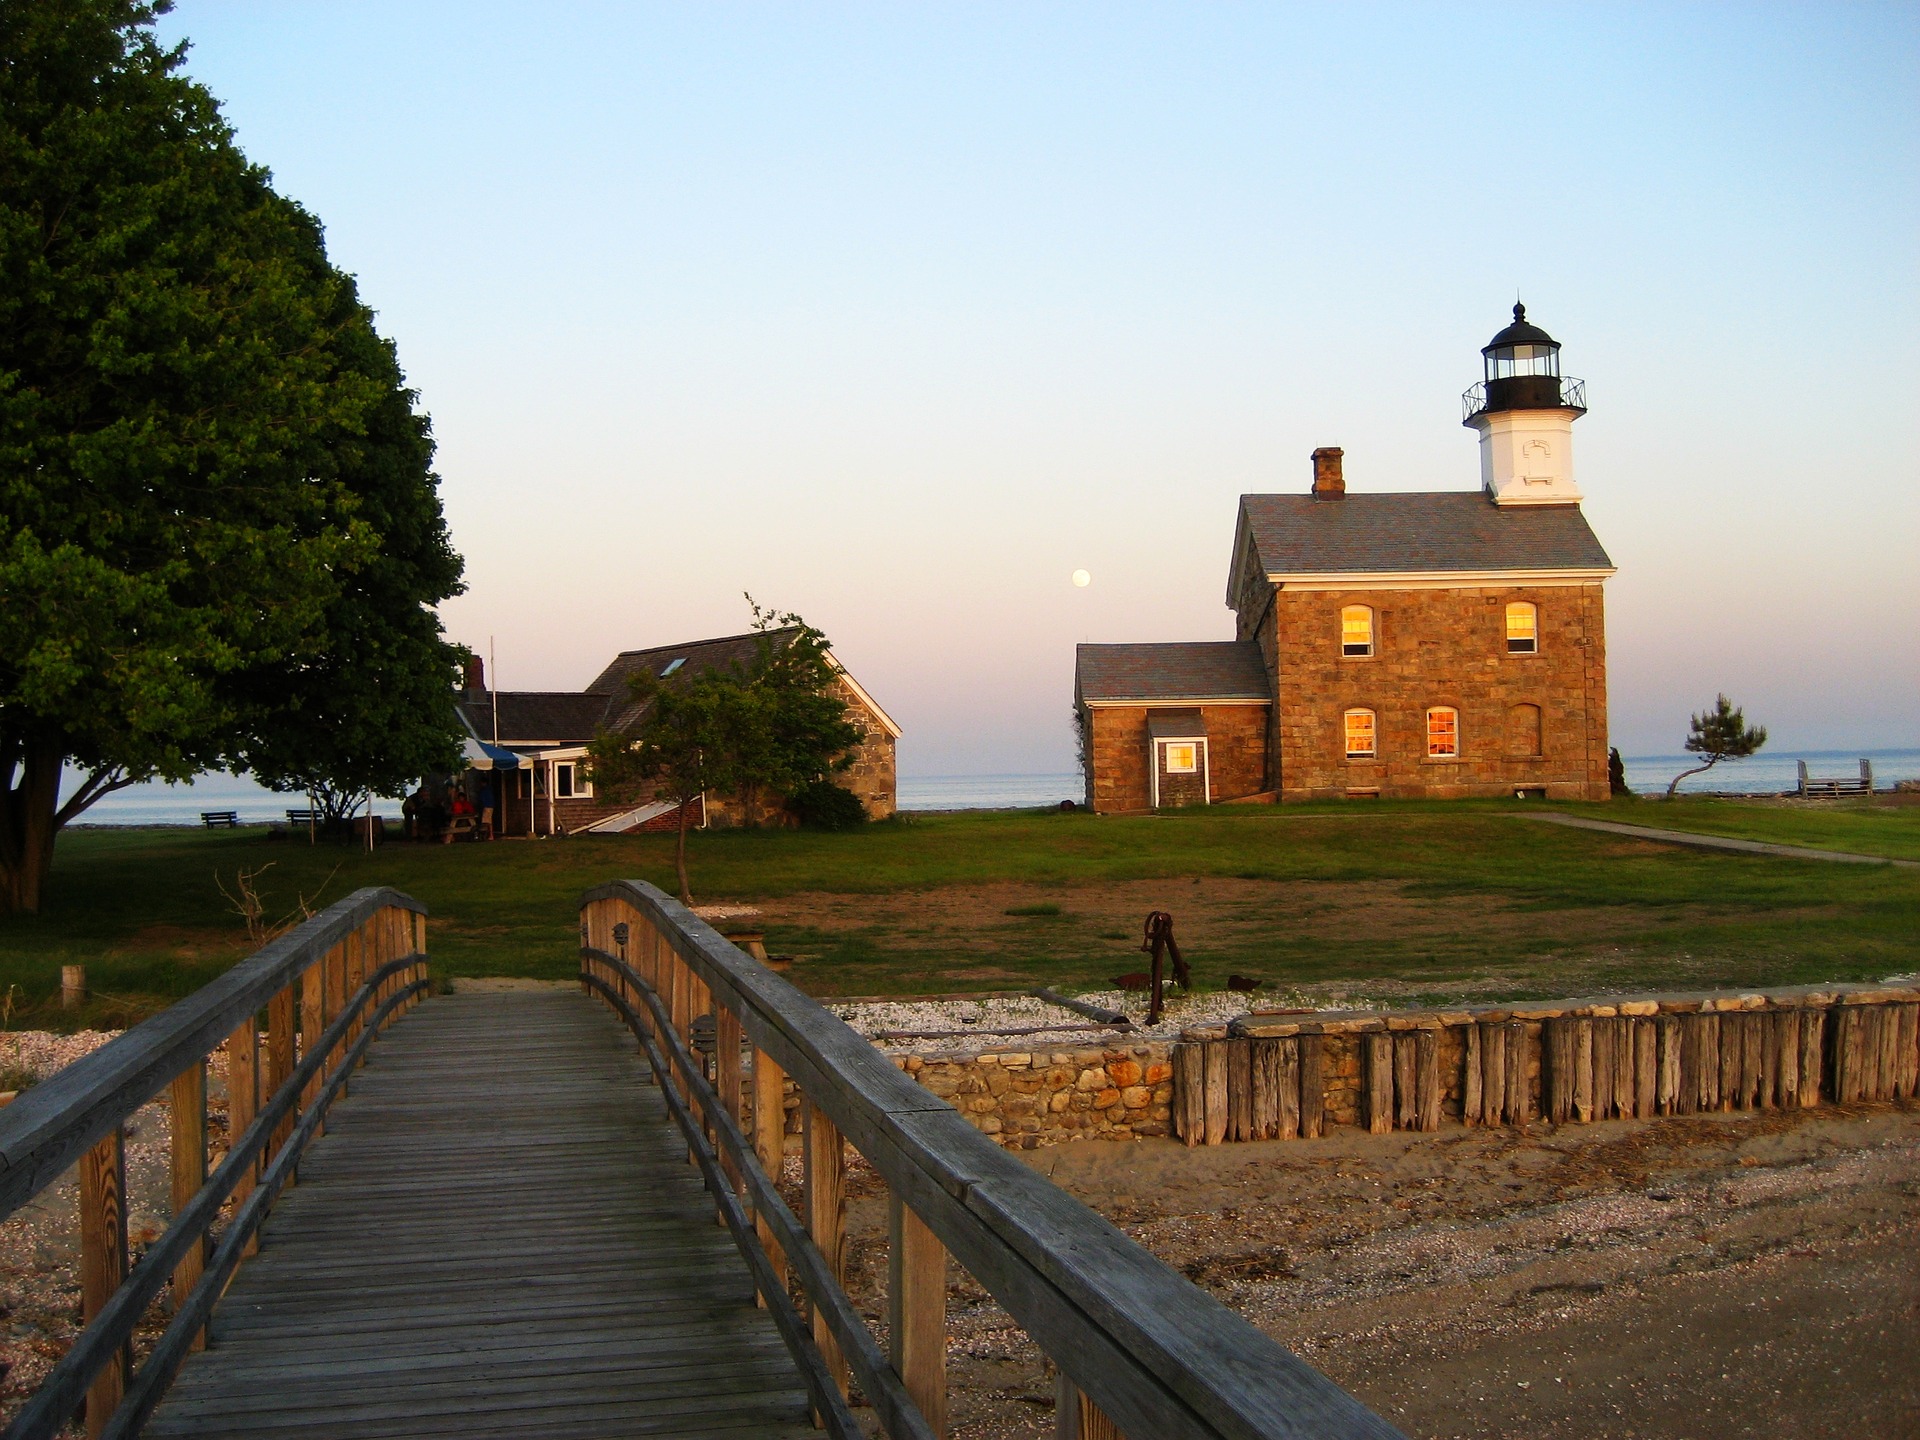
{"x": 1183, "y": 757}
{"x": 570, "y": 781}
{"x": 1356, "y": 630}
{"x": 1523, "y": 628}
{"x": 1443, "y": 733}
{"x": 1360, "y": 735}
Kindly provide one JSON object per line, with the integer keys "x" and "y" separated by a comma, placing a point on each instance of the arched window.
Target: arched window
{"x": 1360, "y": 735}
{"x": 1443, "y": 733}
{"x": 1523, "y": 628}
{"x": 1356, "y": 630}
{"x": 1523, "y": 731}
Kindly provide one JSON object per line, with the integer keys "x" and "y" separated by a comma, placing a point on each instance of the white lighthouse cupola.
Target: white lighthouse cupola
{"x": 1524, "y": 411}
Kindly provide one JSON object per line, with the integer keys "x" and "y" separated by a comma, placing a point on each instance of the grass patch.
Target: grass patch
{"x": 1404, "y": 900}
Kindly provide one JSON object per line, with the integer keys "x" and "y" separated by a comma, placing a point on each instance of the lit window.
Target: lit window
{"x": 1359, "y": 734}
{"x": 1356, "y": 630}
{"x": 1523, "y": 628}
{"x": 1443, "y": 733}
{"x": 1183, "y": 757}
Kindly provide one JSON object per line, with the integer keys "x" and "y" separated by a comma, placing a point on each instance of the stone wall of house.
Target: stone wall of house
{"x": 1118, "y": 748}
{"x": 871, "y": 776}
{"x": 1443, "y": 647}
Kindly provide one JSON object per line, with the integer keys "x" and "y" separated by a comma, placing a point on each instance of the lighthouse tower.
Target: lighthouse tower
{"x": 1524, "y": 412}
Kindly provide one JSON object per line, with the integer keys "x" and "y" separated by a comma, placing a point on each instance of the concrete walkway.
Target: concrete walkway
{"x": 1719, "y": 842}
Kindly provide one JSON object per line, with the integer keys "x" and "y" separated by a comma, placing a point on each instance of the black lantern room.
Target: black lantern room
{"x": 1523, "y": 373}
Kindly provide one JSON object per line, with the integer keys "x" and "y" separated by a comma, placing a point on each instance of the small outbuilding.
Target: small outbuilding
{"x": 1172, "y": 724}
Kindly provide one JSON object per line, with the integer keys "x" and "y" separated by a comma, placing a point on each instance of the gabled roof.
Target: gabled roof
{"x": 1185, "y": 672}
{"x": 1455, "y": 531}
{"x": 724, "y": 653}
{"x": 534, "y": 717}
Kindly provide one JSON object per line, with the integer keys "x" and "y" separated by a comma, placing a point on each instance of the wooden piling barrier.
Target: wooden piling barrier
{"x": 1379, "y": 1078}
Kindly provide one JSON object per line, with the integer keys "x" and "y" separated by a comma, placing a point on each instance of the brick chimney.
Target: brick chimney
{"x": 1328, "y": 482}
{"x": 476, "y": 673}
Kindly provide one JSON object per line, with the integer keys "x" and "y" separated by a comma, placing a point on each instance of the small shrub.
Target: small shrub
{"x": 1034, "y": 911}
{"x": 15, "y": 1076}
{"x": 823, "y": 805}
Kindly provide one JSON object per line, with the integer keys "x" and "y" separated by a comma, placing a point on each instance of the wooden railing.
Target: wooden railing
{"x": 1141, "y": 1352}
{"x": 328, "y": 987}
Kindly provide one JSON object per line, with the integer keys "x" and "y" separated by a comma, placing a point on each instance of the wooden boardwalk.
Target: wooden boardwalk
{"x": 499, "y": 1235}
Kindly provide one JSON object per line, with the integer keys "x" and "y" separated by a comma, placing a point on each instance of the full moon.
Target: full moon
{"x": 1082, "y": 579}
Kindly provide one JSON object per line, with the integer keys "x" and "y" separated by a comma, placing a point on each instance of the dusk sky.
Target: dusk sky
{"x": 897, "y": 315}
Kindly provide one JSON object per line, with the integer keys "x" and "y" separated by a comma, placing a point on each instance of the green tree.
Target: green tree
{"x": 1721, "y": 733}
{"x": 189, "y": 410}
{"x": 680, "y": 749}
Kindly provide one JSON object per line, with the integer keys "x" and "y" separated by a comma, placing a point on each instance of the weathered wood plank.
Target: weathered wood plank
{"x": 1426, "y": 1079}
{"x": 1190, "y": 1092}
{"x": 1379, "y": 1082}
{"x": 917, "y": 1318}
{"x": 1471, "y": 1078}
{"x": 826, "y": 1182}
{"x": 1286, "y": 1055}
{"x": 187, "y": 1166}
{"x": 1406, "y": 1089}
{"x": 103, "y": 1261}
{"x": 1239, "y": 1089}
{"x": 1313, "y": 1093}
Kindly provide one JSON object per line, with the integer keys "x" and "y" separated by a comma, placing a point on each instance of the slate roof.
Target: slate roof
{"x": 1420, "y": 532}
{"x": 1182, "y": 671}
{"x": 562, "y": 717}
{"x": 723, "y": 653}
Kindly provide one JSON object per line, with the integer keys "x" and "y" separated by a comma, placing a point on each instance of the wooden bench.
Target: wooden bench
{"x": 215, "y": 819}
{"x": 1814, "y": 787}
{"x": 304, "y": 817}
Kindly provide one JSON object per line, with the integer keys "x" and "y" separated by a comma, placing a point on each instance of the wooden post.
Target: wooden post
{"x": 726, "y": 1050}
{"x": 1190, "y": 1091}
{"x": 1075, "y": 1417}
{"x": 1600, "y": 1058}
{"x": 1623, "y": 1068}
{"x": 1671, "y": 1037}
{"x": 1426, "y": 1079}
{"x": 1519, "y": 1092}
{"x": 187, "y": 1106}
{"x": 1379, "y": 1082}
{"x": 827, "y": 1220}
{"x": 1646, "y": 1068}
{"x": 336, "y": 994}
{"x": 1732, "y": 1054}
{"x": 1406, "y": 1111}
{"x": 1313, "y": 1095}
{"x": 73, "y": 986}
{"x": 917, "y": 1321}
{"x": 1215, "y": 1054}
{"x": 103, "y": 1263}
{"x": 243, "y": 1100}
{"x": 313, "y": 1019}
{"x": 1287, "y": 1087}
{"x": 280, "y": 1026}
{"x": 1263, "y": 1066}
{"x": 1493, "y": 1072}
{"x": 1471, "y": 1095}
{"x": 1239, "y": 1088}
{"x": 769, "y": 1144}
{"x": 1813, "y": 1043}
{"x": 1907, "y": 1052}
{"x": 1557, "y": 1046}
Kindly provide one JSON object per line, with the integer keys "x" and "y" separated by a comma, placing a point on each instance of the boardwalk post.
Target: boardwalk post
{"x": 827, "y": 1220}
{"x": 917, "y": 1317}
{"x": 280, "y": 1026}
{"x": 769, "y": 1144}
{"x": 726, "y": 1054}
{"x": 313, "y": 1018}
{"x": 243, "y": 1096}
{"x": 103, "y": 1261}
{"x": 187, "y": 1104}
{"x": 1076, "y": 1417}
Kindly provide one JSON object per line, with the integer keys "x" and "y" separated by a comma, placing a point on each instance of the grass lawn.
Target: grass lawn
{"x": 1864, "y": 829}
{"x": 1406, "y": 901}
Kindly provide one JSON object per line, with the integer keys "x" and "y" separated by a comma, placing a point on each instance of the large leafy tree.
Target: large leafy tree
{"x": 201, "y": 436}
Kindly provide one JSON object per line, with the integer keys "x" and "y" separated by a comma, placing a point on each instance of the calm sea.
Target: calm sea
{"x": 159, "y": 804}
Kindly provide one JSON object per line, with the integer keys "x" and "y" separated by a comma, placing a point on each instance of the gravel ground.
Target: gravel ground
{"x": 1699, "y": 1277}
{"x": 40, "y": 1242}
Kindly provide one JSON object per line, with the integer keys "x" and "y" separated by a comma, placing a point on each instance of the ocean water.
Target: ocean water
{"x": 1764, "y": 774}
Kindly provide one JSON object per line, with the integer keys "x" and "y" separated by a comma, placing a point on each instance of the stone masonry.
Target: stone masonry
{"x": 1433, "y": 647}
{"x": 1236, "y": 747}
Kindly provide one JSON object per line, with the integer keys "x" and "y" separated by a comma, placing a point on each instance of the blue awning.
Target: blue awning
{"x": 482, "y": 756}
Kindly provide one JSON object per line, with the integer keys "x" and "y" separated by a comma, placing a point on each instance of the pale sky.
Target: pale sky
{"x": 896, "y": 315}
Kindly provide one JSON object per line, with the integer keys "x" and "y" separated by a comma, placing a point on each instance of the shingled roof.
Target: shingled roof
{"x": 1422, "y": 532}
{"x": 1179, "y": 672}
{"x": 562, "y": 717}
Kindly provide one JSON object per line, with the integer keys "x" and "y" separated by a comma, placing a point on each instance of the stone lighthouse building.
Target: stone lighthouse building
{"x": 1408, "y": 643}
